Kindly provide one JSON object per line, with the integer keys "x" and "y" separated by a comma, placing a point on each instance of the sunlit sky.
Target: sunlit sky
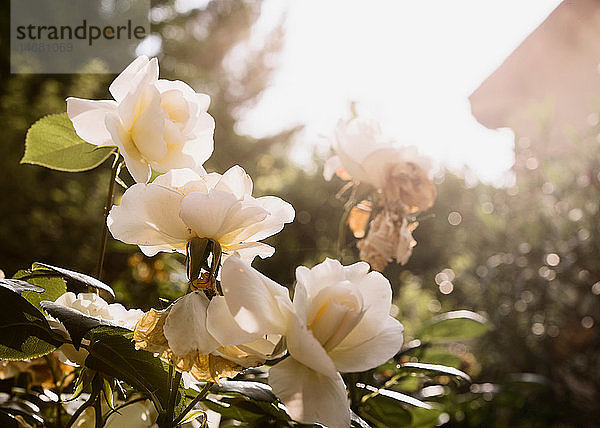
{"x": 409, "y": 64}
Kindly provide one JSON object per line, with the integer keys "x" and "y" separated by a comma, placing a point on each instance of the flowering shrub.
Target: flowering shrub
{"x": 324, "y": 351}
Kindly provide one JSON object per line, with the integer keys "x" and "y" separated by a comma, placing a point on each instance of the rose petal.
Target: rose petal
{"x": 309, "y": 396}
{"x": 372, "y": 352}
{"x": 258, "y": 304}
{"x": 185, "y": 327}
{"x": 140, "y": 69}
{"x": 223, "y": 327}
{"x": 217, "y": 213}
{"x": 305, "y": 348}
{"x": 88, "y": 117}
{"x": 149, "y": 216}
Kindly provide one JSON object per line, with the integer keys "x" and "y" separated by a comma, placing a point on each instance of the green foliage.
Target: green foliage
{"x": 456, "y": 325}
{"x": 53, "y": 143}
{"x": 113, "y": 353}
{"x": 384, "y": 411}
{"x": 52, "y": 286}
{"x": 80, "y": 278}
{"x": 24, "y": 331}
{"x": 437, "y": 369}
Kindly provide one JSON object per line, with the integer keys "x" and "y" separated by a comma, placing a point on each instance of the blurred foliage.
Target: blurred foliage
{"x": 525, "y": 256}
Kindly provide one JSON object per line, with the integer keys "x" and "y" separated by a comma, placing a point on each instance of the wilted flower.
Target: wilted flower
{"x": 365, "y": 155}
{"x": 407, "y": 183}
{"x": 155, "y": 123}
{"x": 181, "y": 204}
{"x": 389, "y": 238}
{"x": 92, "y": 305}
{"x": 200, "y": 336}
{"x": 339, "y": 321}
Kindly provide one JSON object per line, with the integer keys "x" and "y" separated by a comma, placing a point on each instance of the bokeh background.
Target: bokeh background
{"x": 516, "y": 240}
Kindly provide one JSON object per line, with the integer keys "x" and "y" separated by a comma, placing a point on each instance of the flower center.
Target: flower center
{"x": 336, "y": 311}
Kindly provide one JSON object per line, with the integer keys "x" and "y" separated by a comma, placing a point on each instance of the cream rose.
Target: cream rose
{"x": 92, "y": 305}
{"x": 339, "y": 320}
{"x": 182, "y": 204}
{"x": 155, "y": 123}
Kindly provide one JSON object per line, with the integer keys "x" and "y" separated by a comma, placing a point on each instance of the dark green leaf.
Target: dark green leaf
{"x": 52, "y": 285}
{"x": 80, "y": 277}
{"x": 357, "y": 421}
{"x": 76, "y": 323}
{"x": 385, "y": 412}
{"x": 424, "y": 418}
{"x": 253, "y": 390}
{"x": 24, "y": 331}
{"x": 53, "y": 143}
{"x": 246, "y": 410}
{"x": 436, "y": 355}
{"x": 456, "y": 325}
{"x": 19, "y": 286}
{"x": 407, "y": 399}
{"x": 437, "y": 370}
{"x": 108, "y": 393}
{"x": 115, "y": 355}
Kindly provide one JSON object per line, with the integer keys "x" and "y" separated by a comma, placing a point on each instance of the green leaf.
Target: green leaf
{"x": 243, "y": 409}
{"x": 436, "y": 355}
{"x": 437, "y": 369}
{"x": 52, "y": 142}
{"x": 24, "y": 331}
{"x": 385, "y": 412}
{"x": 19, "y": 286}
{"x": 108, "y": 393}
{"x": 52, "y": 285}
{"x": 80, "y": 277}
{"x": 403, "y": 398}
{"x": 253, "y": 390}
{"x": 456, "y": 325}
{"x": 424, "y": 418}
{"x": 7, "y": 420}
{"x": 115, "y": 355}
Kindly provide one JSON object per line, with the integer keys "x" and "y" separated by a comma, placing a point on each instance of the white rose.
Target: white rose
{"x": 158, "y": 124}
{"x": 339, "y": 321}
{"x": 181, "y": 204}
{"x": 365, "y": 155}
{"x": 92, "y": 305}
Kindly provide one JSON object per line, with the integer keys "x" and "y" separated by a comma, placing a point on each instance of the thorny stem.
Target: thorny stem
{"x": 109, "y": 199}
